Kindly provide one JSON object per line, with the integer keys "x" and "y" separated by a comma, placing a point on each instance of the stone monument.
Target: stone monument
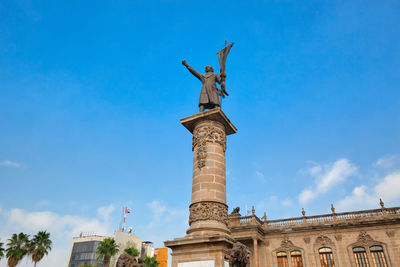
{"x": 208, "y": 242}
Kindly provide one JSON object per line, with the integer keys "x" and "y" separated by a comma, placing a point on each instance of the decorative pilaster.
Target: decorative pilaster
{"x": 255, "y": 245}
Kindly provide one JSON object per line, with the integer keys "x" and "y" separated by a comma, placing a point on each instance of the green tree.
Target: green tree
{"x": 39, "y": 246}
{"x": 106, "y": 249}
{"x": 17, "y": 248}
{"x": 150, "y": 262}
{"x": 1, "y": 251}
{"x": 132, "y": 251}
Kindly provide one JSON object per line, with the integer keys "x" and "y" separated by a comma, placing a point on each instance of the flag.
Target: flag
{"x": 222, "y": 54}
{"x": 127, "y": 210}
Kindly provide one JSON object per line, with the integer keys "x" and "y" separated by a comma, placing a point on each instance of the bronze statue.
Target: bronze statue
{"x": 209, "y": 91}
{"x": 236, "y": 211}
{"x": 239, "y": 255}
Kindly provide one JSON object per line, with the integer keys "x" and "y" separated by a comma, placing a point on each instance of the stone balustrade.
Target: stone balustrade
{"x": 236, "y": 220}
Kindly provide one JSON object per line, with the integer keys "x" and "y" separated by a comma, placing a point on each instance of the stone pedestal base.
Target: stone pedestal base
{"x": 209, "y": 251}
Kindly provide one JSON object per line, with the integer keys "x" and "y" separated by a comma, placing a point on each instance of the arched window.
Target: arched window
{"x": 361, "y": 256}
{"x": 378, "y": 256}
{"x": 296, "y": 258}
{"x": 282, "y": 259}
{"x": 325, "y": 255}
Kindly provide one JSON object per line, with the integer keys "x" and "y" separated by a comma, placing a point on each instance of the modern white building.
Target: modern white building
{"x": 83, "y": 249}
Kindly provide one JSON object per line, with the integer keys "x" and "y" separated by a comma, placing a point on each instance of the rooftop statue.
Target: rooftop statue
{"x": 209, "y": 94}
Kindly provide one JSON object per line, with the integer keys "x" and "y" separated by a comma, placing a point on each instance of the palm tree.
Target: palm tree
{"x": 150, "y": 262}
{"x": 39, "y": 246}
{"x": 132, "y": 251}
{"x": 106, "y": 249}
{"x": 17, "y": 248}
{"x": 1, "y": 251}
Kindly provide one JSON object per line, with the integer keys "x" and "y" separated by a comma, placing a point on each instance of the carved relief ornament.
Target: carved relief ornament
{"x": 323, "y": 240}
{"x": 210, "y": 134}
{"x": 208, "y": 210}
{"x": 201, "y": 136}
{"x": 390, "y": 233}
{"x": 338, "y": 237}
{"x": 286, "y": 244}
{"x": 364, "y": 238}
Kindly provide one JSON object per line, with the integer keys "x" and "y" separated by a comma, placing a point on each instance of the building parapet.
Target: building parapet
{"x": 374, "y": 214}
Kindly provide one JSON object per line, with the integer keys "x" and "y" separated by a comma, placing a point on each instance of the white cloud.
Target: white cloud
{"x": 104, "y": 212}
{"x": 389, "y": 188}
{"x": 61, "y": 227}
{"x": 327, "y": 177}
{"x": 306, "y": 196}
{"x": 339, "y": 172}
{"x": 9, "y": 163}
{"x": 365, "y": 197}
{"x": 387, "y": 161}
{"x": 358, "y": 199}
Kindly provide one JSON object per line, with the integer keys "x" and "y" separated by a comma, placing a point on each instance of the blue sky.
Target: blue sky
{"x": 92, "y": 93}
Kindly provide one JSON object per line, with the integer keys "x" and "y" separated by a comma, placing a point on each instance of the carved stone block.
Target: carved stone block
{"x": 208, "y": 210}
{"x": 210, "y": 134}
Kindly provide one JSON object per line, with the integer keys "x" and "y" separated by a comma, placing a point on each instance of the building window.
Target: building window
{"x": 361, "y": 256}
{"x": 296, "y": 258}
{"x": 377, "y": 256}
{"x": 325, "y": 255}
{"x": 282, "y": 259}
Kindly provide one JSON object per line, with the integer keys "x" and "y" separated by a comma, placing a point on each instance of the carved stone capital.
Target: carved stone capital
{"x": 210, "y": 134}
{"x": 208, "y": 210}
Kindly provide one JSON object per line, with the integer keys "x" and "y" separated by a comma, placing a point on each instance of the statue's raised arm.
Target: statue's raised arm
{"x": 192, "y": 70}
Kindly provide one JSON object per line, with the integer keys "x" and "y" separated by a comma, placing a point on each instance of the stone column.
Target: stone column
{"x": 255, "y": 245}
{"x": 208, "y": 210}
{"x": 208, "y": 239}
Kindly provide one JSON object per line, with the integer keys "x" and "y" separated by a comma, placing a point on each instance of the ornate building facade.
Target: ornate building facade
{"x": 368, "y": 238}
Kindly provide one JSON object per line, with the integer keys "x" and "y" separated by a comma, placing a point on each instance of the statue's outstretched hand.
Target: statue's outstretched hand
{"x": 184, "y": 62}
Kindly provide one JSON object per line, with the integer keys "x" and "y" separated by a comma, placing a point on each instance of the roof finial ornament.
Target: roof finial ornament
{"x": 303, "y": 212}
{"x": 381, "y": 203}
{"x": 253, "y": 211}
{"x": 264, "y": 217}
{"x": 332, "y": 208}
